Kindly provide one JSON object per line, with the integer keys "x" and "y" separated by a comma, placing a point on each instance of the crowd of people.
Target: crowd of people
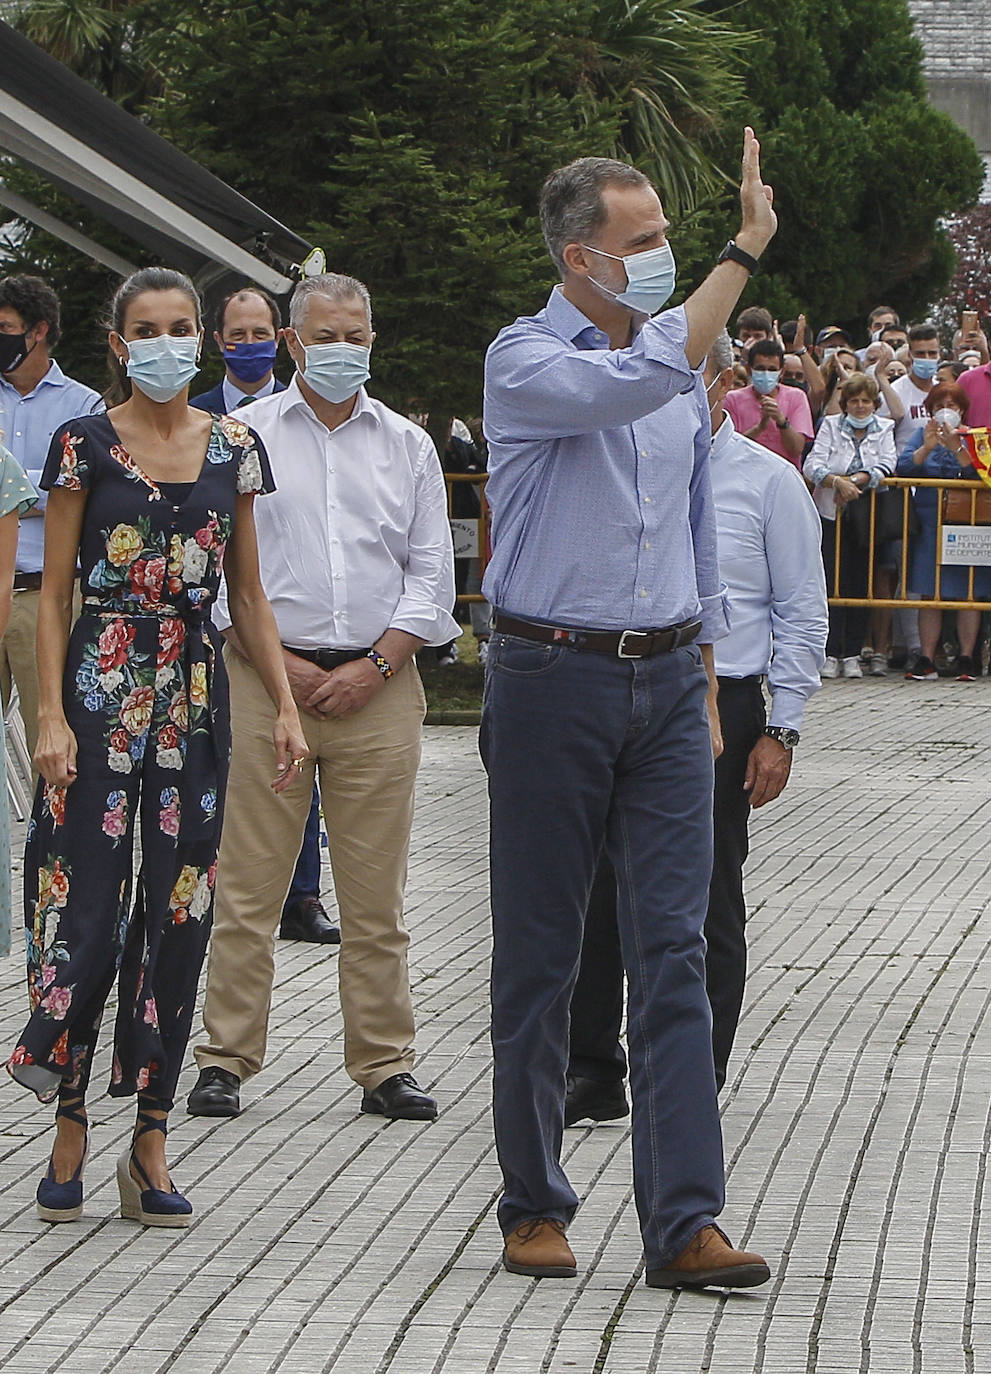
{"x": 227, "y": 603}
{"x": 851, "y": 417}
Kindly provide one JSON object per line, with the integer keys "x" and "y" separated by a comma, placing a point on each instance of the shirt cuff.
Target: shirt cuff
{"x": 715, "y": 617}
{"x": 817, "y": 473}
{"x": 429, "y": 623}
{"x": 787, "y": 708}
{"x": 877, "y": 477}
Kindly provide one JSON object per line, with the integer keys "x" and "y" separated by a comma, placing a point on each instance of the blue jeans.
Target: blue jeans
{"x": 584, "y": 749}
{"x": 306, "y": 876}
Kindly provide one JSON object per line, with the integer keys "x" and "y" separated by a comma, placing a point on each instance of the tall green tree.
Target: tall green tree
{"x": 412, "y": 144}
{"x": 864, "y": 168}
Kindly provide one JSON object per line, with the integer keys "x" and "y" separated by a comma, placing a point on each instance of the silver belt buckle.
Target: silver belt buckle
{"x": 621, "y": 646}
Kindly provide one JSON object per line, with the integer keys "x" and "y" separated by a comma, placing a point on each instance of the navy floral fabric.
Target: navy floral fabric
{"x": 146, "y": 695}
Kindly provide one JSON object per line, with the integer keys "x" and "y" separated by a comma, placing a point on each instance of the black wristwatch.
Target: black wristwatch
{"x": 784, "y": 736}
{"x": 734, "y": 253}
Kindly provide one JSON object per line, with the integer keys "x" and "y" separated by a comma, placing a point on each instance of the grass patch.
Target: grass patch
{"x": 457, "y": 686}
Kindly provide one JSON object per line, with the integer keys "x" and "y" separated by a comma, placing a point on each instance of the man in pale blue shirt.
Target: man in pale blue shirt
{"x": 36, "y": 399}
{"x": 769, "y": 559}
{"x": 594, "y": 725}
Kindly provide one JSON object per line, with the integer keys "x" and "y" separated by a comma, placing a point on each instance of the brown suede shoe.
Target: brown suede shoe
{"x": 540, "y": 1249}
{"x": 709, "y": 1259}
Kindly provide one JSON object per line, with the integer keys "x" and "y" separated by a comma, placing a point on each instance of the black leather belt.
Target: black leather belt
{"x": 27, "y": 582}
{"x": 327, "y": 658}
{"x": 622, "y": 643}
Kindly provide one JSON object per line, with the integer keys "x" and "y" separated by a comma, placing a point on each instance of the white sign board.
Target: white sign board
{"x": 465, "y": 536}
{"x": 967, "y": 544}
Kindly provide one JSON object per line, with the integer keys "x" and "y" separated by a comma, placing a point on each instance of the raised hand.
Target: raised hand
{"x": 760, "y": 223}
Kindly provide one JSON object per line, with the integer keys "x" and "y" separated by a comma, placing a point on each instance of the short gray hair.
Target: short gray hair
{"x": 571, "y": 206}
{"x": 335, "y": 286}
{"x": 720, "y": 354}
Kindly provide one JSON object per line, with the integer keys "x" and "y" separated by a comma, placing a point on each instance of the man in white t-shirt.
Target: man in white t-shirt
{"x": 915, "y": 386}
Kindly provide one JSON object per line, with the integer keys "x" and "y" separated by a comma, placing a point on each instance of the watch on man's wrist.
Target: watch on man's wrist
{"x": 734, "y": 253}
{"x": 785, "y": 737}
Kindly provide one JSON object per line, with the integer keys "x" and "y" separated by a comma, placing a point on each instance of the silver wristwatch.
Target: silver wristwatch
{"x": 789, "y": 738}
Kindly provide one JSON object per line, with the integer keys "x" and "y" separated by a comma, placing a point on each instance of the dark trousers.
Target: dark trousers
{"x": 585, "y": 750}
{"x": 306, "y": 877}
{"x": 597, "y": 1003}
{"x": 847, "y": 624}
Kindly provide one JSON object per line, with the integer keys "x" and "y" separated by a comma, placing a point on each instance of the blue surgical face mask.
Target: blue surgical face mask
{"x": 764, "y": 381}
{"x": 650, "y": 277}
{"x": 860, "y": 421}
{"x": 335, "y": 371}
{"x": 250, "y": 362}
{"x": 163, "y": 366}
{"x": 925, "y": 368}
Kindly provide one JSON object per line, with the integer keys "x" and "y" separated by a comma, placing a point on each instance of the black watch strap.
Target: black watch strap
{"x": 734, "y": 253}
{"x": 789, "y": 738}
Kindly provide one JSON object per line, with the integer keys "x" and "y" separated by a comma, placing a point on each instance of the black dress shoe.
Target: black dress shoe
{"x": 400, "y": 1098}
{"x": 307, "y": 920}
{"x": 589, "y": 1100}
{"x": 215, "y": 1093}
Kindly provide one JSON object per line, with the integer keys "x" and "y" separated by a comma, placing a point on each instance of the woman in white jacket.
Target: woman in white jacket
{"x": 852, "y": 453}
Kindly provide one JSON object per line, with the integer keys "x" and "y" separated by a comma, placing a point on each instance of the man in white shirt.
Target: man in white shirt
{"x": 915, "y": 386}
{"x": 248, "y": 329}
{"x": 769, "y": 536}
{"x": 356, "y": 559}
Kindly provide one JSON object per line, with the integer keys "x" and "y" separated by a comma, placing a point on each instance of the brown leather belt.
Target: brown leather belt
{"x": 27, "y": 582}
{"x": 622, "y": 643}
{"x": 327, "y": 658}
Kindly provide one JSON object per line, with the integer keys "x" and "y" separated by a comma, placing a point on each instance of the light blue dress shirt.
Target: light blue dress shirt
{"x": 27, "y": 424}
{"x": 770, "y": 559}
{"x": 234, "y": 396}
{"x": 602, "y": 514}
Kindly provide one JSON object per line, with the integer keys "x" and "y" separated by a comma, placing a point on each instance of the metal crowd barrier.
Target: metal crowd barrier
{"x": 903, "y": 599}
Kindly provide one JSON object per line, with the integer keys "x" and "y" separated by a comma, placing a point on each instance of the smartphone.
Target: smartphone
{"x": 968, "y": 321}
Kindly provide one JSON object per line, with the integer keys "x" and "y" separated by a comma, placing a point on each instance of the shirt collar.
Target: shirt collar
{"x": 723, "y": 437}
{"x": 293, "y": 398}
{"x": 568, "y": 322}
{"x": 53, "y": 377}
{"x": 233, "y": 393}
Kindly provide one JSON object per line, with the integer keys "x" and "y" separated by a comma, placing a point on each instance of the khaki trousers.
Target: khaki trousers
{"x": 368, "y": 764}
{"x": 19, "y": 660}
{"x": 19, "y": 664}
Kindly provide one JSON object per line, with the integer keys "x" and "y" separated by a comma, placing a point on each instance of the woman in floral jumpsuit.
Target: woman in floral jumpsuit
{"x": 142, "y": 730}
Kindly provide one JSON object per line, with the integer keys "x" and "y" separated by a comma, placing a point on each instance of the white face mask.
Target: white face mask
{"x": 950, "y": 418}
{"x": 650, "y": 278}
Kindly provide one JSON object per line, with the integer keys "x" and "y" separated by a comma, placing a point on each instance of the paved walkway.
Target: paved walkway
{"x": 856, "y": 1122}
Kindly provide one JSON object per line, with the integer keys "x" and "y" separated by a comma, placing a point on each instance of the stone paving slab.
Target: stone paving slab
{"x": 856, "y": 1122}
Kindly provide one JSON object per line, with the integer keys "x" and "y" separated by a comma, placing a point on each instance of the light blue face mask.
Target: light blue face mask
{"x": 650, "y": 276}
{"x": 162, "y": 366}
{"x": 859, "y": 421}
{"x": 925, "y": 368}
{"x": 335, "y": 371}
{"x": 764, "y": 381}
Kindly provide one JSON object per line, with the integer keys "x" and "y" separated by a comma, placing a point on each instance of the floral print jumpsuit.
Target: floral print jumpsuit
{"x": 145, "y": 693}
